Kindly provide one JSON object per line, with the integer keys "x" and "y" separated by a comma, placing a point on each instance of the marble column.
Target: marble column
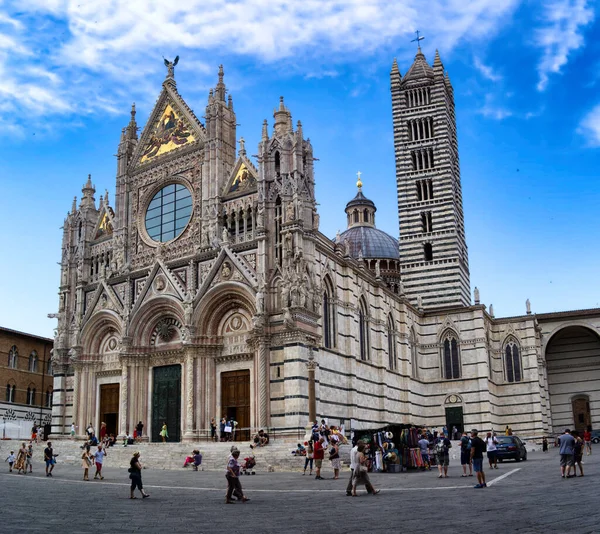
{"x": 263, "y": 384}
{"x": 76, "y": 401}
{"x": 123, "y": 409}
{"x": 189, "y": 434}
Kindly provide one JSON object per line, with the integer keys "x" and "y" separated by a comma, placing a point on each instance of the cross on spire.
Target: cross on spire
{"x": 359, "y": 181}
{"x": 418, "y": 39}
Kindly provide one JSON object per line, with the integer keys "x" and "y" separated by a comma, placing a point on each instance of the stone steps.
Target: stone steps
{"x": 276, "y": 456}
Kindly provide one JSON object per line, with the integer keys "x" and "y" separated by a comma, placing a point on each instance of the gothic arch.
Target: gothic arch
{"x": 217, "y": 302}
{"x": 512, "y": 359}
{"x": 450, "y": 355}
{"x": 584, "y": 324}
{"x": 144, "y": 322}
{"x": 96, "y": 332}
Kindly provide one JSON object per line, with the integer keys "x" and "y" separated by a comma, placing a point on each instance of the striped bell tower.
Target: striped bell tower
{"x": 433, "y": 251}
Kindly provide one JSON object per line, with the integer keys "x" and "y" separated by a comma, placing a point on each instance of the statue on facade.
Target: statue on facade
{"x": 528, "y": 306}
{"x": 290, "y": 212}
{"x": 171, "y": 66}
{"x": 225, "y": 236}
{"x": 476, "y": 294}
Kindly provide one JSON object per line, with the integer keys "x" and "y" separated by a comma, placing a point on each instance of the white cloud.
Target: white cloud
{"x": 564, "y": 21}
{"x": 590, "y": 127}
{"x": 487, "y": 71}
{"x": 491, "y": 110}
{"x": 84, "y": 53}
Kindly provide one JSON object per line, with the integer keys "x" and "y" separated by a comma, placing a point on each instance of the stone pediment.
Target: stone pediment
{"x": 171, "y": 126}
{"x": 161, "y": 282}
{"x": 228, "y": 266}
{"x": 104, "y": 299}
{"x": 242, "y": 180}
{"x": 105, "y": 224}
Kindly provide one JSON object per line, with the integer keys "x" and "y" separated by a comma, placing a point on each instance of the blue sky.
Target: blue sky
{"x": 526, "y": 77}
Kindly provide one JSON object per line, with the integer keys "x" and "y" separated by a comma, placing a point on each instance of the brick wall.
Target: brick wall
{"x": 21, "y": 376}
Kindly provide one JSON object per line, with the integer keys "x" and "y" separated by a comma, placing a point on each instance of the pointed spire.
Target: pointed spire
{"x": 419, "y": 69}
{"x": 438, "y": 66}
{"x": 242, "y": 150}
{"x": 220, "y": 90}
{"x": 101, "y": 203}
{"x": 106, "y": 197}
{"x": 230, "y": 102}
{"x": 74, "y": 206}
{"x": 395, "y": 75}
{"x": 132, "y": 126}
{"x": 283, "y": 119}
{"x": 299, "y": 130}
{"x": 88, "y": 191}
{"x": 265, "y": 130}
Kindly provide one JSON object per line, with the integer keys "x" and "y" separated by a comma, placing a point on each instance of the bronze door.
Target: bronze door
{"x": 109, "y": 408}
{"x": 235, "y": 401}
{"x": 166, "y": 402}
{"x": 581, "y": 414}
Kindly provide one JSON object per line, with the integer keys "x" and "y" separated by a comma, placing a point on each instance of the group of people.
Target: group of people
{"x": 89, "y": 459}
{"x": 571, "y": 453}
{"x": 227, "y": 429}
{"x": 22, "y": 460}
{"x": 37, "y": 433}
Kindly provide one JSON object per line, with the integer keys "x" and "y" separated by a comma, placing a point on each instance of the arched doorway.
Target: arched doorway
{"x": 582, "y": 416}
{"x": 573, "y": 370}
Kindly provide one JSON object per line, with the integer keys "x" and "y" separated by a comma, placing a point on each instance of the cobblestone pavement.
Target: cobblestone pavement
{"x": 525, "y": 497}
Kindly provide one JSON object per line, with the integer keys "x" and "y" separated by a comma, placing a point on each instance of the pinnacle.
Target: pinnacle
{"x": 437, "y": 62}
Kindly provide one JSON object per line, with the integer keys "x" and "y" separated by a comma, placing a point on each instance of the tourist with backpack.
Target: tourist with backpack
{"x": 465, "y": 455}
{"x": 442, "y": 448}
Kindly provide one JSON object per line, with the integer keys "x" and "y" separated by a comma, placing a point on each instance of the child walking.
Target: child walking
{"x": 11, "y": 459}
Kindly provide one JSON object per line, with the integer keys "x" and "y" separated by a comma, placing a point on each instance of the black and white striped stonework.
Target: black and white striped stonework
{"x": 433, "y": 250}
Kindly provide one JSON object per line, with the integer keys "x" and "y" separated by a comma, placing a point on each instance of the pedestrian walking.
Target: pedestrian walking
{"x": 334, "y": 458}
{"x": 49, "y": 459}
{"x": 139, "y": 428}
{"x": 39, "y": 436}
{"x": 492, "y": 450}
{"x": 566, "y": 443}
{"x": 234, "y": 487}
{"x": 73, "y": 430}
{"x": 213, "y": 429}
{"x": 442, "y": 448}
{"x": 319, "y": 454}
{"x": 21, "y": 462}
{"x": 99, "y": 460}
{"x": 478, "y": 447}
{"x": 135, "y": 475}
{"x": 164, "y": 434}
{"x": 102, "y": 431}
{"x": 577, "y": 454}
{"x": 544, "y": 444}
{"x": 587, "y": 440}
{"x": 33, "y": 432}
{"x": 308, "y": 461}
{"x": 11, "y": 459}
{"x": 465, "y": 455}
{"x": 90, "y": 431}
{"x": 86, "y": 461}
{"x": 361, "y": 475}
{"x": 29, "y": 458}
{"x": 424, "y": 446}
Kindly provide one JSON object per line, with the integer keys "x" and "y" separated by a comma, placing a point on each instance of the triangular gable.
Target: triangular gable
{"x": 227, "y": 266}
{"x": 161, "y": 282}
{"x": 105, "y": 224}
{"x": 104, "y": 299}
{"x": 171, "y": 126}
{"x": 242, "y": 179}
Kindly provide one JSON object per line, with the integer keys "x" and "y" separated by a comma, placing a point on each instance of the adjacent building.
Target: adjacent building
{"x": 208, "y": 289}
{"x": 25, "y": 377}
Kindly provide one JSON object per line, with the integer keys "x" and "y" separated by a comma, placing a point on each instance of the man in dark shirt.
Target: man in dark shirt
{"x": 49, "y": 458}
{"x": 477, "y": 449}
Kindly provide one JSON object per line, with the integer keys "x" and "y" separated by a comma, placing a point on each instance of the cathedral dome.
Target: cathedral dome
{"x": 369, "y": 242}
{"x": 363, "y": 238}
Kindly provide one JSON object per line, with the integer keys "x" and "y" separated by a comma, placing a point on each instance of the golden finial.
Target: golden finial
{"x": 359, "y": 181}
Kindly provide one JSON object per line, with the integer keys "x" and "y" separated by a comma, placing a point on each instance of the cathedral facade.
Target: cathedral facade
{"x": 209, "y": 291}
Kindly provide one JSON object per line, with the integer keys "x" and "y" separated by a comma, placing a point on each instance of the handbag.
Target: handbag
{"x": 227, "y": 428}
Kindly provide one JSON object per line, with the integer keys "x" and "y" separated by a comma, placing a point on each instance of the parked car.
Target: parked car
{"x": 511, "y": 448}
{"x": 595, "y": 436}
